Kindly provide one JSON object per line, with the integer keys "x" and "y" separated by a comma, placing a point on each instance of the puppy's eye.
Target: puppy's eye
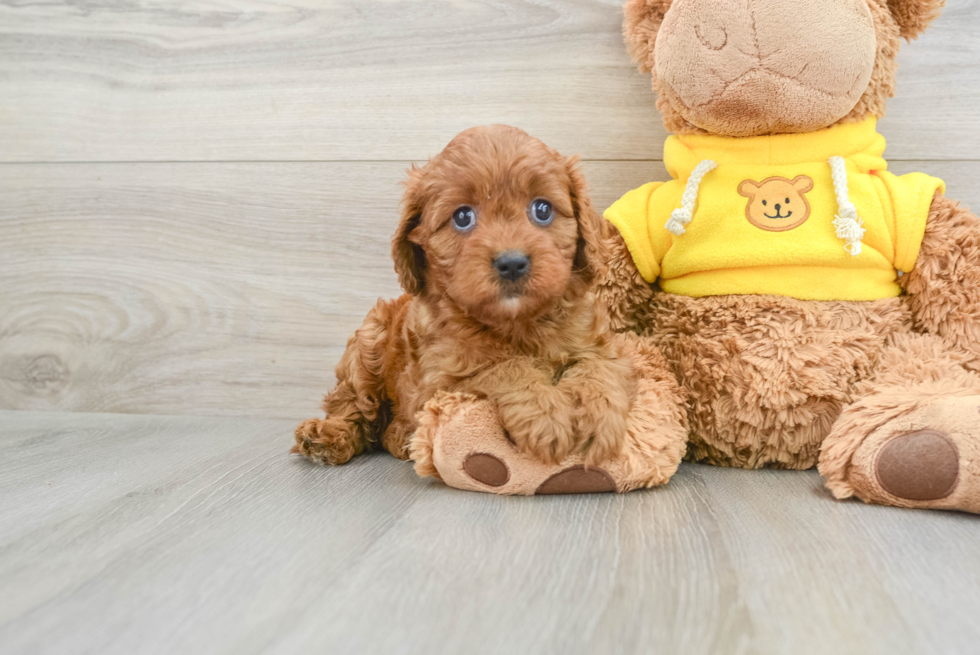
{"x": 464, "y": 219}
{"x": 764, "y": 203}
{"x": 541, "y": 212}
{"x": 787, "y": 201}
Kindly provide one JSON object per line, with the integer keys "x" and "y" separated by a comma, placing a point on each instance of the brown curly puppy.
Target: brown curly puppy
{"x": 496, "y": 252}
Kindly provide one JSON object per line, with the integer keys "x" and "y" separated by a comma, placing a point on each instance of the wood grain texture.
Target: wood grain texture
{"x": 211, "y": 289}
{"x": 386, "y": 80}
{"x": 123, "y": 534}
{"x": 196, "y": 288}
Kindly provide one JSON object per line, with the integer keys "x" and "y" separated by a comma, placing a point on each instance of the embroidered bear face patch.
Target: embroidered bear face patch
{"x": 777, "y": 204}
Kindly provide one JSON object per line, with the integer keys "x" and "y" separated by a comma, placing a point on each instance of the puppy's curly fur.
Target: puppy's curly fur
{"x": 535, "y": 346}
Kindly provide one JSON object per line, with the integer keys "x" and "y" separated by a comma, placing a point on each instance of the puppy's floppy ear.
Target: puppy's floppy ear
{"x": 642, "y": 20}
{"x": 914, "y": 16}
{"x": 588, "y": 256}
{"x": 410, "y": 262}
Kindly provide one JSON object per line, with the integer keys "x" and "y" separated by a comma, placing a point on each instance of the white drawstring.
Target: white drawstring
{"x": 685, "y": 213}
{"x": 848, "y": 223}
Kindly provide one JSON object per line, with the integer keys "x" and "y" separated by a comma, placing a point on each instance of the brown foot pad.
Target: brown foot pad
{"x": 487, "y": 469}
{"x": 578, "y": 480}
{"x": 922, "y": 465}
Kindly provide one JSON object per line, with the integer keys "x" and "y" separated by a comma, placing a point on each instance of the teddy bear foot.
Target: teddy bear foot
{"x": 460, "y": 440}
{"x": 928, "y": 457}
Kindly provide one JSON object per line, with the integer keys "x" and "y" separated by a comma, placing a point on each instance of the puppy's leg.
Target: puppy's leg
{"x": 536, "y": 414}
{"x": 601, "y": 390}
{"x": 343, "y": 434}
{"x": 397, "y": 436}
{"x": 460, "y": 439}
{"x": 355, "y": 415}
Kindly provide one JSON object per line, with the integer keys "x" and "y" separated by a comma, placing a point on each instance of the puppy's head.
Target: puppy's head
{"x": 498, "y": 223}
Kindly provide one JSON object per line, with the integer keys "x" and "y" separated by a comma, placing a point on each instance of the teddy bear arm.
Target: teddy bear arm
{"x": 944, "y": 287}
{"x": 618, "y": 286}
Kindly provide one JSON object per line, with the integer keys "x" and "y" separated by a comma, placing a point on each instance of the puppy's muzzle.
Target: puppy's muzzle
{"x": 512, "y": 265}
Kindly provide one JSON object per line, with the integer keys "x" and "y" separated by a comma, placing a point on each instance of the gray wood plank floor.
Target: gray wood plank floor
{"x": 149, "y": 534}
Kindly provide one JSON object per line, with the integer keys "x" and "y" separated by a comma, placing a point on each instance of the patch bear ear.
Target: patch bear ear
{"x": 914, "y": 16}
{"x": 803, "y": 184}
{"x": 749, "y": 189}
{"x": 642, "y": 20}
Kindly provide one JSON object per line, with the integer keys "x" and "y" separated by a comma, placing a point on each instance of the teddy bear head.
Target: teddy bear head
{"x": 756, "y": 67}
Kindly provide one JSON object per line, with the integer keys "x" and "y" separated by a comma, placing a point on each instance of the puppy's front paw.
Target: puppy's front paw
{"x": 599, "y": 418}
{"x": 601, "y": 427}
{"x": 327, "y": 441}
{"x": 539, "y": 424}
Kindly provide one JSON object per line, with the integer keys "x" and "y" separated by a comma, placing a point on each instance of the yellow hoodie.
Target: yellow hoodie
{"x": 813, "y": 216}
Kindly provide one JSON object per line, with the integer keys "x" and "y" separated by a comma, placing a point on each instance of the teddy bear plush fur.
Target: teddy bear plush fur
{"x": 881, "y": 395}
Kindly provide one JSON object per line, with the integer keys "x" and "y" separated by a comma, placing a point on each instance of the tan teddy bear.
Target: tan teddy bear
{"x": 818, "y": 310}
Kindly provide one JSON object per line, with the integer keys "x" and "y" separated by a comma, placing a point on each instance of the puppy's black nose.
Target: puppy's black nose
{"x": 512, "y": 265}
{"x": 779, "y": 208}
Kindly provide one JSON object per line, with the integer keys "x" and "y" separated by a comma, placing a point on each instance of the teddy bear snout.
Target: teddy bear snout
{"x": 754, "y": 67}
{"x": 712, "y": 35}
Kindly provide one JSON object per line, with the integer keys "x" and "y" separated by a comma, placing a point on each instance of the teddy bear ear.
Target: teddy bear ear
{"x": 642, "y": 20}
{"x": 914, "y": 16}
